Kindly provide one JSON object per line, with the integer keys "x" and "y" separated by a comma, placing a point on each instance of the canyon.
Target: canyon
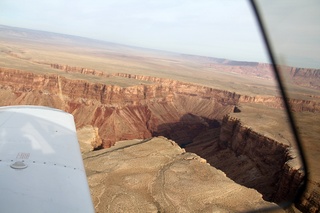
{"x": 159, "y": 127}
{"x": 156, "y": 175}
{"x": 195, "y": 117}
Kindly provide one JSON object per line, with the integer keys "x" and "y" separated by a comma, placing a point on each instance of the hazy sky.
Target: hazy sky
{"x": 295, "y": 26}
{"x": 218, "y": 28}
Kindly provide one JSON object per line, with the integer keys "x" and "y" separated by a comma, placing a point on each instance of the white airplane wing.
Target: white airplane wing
{"x": 41, "y": 168}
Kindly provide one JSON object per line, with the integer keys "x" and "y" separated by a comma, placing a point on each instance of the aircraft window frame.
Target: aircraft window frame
{"x": 284, "y": 95}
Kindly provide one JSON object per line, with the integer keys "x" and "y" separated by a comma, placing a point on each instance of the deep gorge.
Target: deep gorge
{"x": 194, "y": 116}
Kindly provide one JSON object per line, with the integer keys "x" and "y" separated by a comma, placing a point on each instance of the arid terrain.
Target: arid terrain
{"x": 172, "y": 132}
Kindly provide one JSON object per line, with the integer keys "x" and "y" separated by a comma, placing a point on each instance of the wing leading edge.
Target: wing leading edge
{"x": 40, "y": 162}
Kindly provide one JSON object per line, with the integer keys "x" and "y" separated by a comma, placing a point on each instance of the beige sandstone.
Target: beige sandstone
{"x": 156, "y": 175}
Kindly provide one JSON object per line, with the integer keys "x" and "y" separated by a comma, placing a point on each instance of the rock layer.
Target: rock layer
{"x": 279, "y": 171}
{"x": 119, "y": 113}
{"x": 158, "y": 176}
{"x": 190, "y": 114}
{"x": 251, "y": 159}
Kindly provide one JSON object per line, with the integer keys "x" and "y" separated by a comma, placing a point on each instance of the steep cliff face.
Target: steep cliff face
{"x": 280, "y": 172}
{"x": 119, "y": 113}
{"x": 305, "y": 77}
{"x": 277, "y": 102}
{"x": 310, "y": 201}
{"x": 302, "y": 76}
{"x": 81, "y": 70}
{"x": 259, "y": 70}
{"x": 156, "y": 175}
{"x": 190, "y": 114}
{"x": 250, "y": 159}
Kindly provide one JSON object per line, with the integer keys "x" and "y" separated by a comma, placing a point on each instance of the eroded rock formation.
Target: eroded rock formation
{"x": 310, "y": 201}
{"x": 278, "y": 172}
{"x": 132, "y": 112}
{"x": 305, "y": 77}
{"x": 119, "y": 113}
{"x": 137, "y": 177}
{"x": 190, "y": 114}
{"x": 80, "y": 70}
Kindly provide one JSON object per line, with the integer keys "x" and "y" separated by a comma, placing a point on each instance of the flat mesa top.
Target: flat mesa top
{"x": 40, "y": 162}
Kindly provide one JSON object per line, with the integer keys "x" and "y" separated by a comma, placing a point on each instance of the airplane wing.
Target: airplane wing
{"x": 41, "y": 168}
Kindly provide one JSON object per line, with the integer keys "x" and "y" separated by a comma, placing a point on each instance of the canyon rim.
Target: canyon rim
{"x": 227, "y": 119}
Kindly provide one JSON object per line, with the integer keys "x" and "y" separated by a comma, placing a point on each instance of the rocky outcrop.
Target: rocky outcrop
{"x": 262, "y": 70}
{"x": 277, "y": 102}
{"x": 305, "y": 77}
{"x": 189, "y": 112}
{"x": 253, "y": 69}
{"x": 119, "y": 113}
{"x": 163, "y": 108}
{"x": 80, "y": 70}
{"x": 251, "y": 159}
{"x": 291, "y": 177}
{"x": 280, "y": 172}
{"x": 304, "y": 72}
{"x": 156, "y": 175}
{"x": 310, "y": 201}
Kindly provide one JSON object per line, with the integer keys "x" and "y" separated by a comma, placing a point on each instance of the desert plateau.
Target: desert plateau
{"x": 168, "y": 132}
